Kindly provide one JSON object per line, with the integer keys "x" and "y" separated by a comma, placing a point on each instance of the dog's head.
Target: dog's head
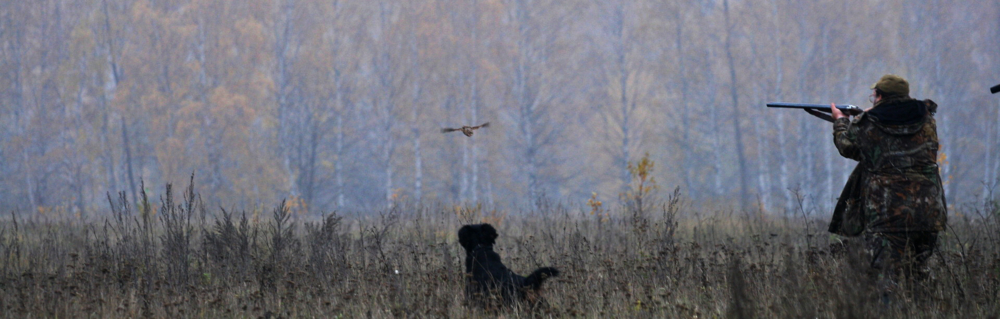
{"x": 471, "y": 236}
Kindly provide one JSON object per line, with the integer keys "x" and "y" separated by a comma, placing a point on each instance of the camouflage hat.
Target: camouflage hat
{"x": 892, "y": 85}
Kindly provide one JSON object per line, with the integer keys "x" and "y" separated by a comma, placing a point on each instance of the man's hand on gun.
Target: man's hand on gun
{"x": 836, "y": 113}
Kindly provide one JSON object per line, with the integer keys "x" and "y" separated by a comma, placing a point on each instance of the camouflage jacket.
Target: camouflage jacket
{"x": 896, "y": 185}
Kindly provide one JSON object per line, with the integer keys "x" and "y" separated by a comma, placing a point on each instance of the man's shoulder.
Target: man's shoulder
{"x": 931, "y": 106}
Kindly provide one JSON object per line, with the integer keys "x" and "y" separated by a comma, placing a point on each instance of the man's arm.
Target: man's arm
{"x": 845, "y": 137}
{"x": 844, "y": 134}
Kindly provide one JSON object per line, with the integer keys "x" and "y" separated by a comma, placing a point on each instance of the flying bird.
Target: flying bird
{"x": 467, "y": 130}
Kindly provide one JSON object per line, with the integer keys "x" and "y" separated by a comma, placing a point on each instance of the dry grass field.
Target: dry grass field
{"x": 183, "y": 260}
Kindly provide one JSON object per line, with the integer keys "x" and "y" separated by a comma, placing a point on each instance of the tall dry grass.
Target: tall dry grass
{"x": 180, "y": 259}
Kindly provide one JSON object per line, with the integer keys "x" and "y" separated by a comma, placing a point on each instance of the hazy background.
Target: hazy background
{"x": 338, "y": 105}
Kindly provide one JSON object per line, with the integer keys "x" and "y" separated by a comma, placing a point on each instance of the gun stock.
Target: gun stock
{"x": 995, "y": 89}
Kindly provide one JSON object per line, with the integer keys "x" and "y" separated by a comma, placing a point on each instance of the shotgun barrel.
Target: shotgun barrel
{"x": 821, "y": 111}
{"x": 846, "y": 108}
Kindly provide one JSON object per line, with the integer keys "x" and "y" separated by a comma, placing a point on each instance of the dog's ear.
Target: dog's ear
{"x": 489, "y": 234}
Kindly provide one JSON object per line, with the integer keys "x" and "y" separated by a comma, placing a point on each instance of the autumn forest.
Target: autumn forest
{"x": 338, "y": 105}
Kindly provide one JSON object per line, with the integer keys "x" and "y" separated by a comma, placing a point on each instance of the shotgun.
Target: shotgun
{"x": 819, "y": 110}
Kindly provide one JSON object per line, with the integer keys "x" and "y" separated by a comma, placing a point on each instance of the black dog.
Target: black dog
{"x": 489, "y": 279}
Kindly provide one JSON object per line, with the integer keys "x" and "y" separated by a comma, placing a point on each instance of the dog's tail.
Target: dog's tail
{"x": 535, "y": 280}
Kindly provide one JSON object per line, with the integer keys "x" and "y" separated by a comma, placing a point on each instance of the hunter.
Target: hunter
{"x": 894, "y": 198}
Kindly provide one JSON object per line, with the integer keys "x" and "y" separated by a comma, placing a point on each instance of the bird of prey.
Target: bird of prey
{"x": 467, "y": 130}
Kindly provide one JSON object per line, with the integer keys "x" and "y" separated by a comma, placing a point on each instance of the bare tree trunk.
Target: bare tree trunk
{"x": 21, "y": 122}
{"x": 717, "y": 155}
{"x": 80, "y": 186}
{"x": 309, "y": 191}
{"x": 828, "y": 153}
{"x": 109, "y": 88}
{"x": 995, "y": 172}
{"x": 338, "y": 161}
{"x": 994, "y": 176}
{"x": 109, "y": 158}
{"x": 782, "y": 133}
{"x": 128, "y": 160}
{"x": 763, "y": 192}
{"x": 340, "y": 106}
{"x": 843, "y": 165}
{"x": 76, "y": 162}
{"x": 116, "y": 72}
{"x": 289, "y": 117}
{"x": 808, "y": 148}
{"x": 527, "y": 98}
{"x": 738, "y": 131}
{"x": 465, "y": 109}
{"x": 533, "y": 192}
{"x": 489, "y": 186}
{"x": 475, "y": 148}
{"x": 474, "y": 103}
{"x": 418, "y": 156}
{"x": 718, "y": 189}
{"x": 991, "y": 166}
{"x": 527, "y": 117}
{"x": 829, "y": 194}
{"x": 387, "y": 150}
{"x": 988, "y": 157}
{"x": 946, "y": 167}
{"x": 464, "y": 175}
{"x": 528, "y": 135}
{"x": 27, "y": 180}
{"x": 418, "y": 167}
{"x": 685, "y": 111}
{"x": 385, "y": 109}
{"x": 783, "y": 163}
{"x": 764, "y": 169}
{"x": 804, "y": 155}
{"x": 621, "y": 60}
{"x": 626, "y": 175}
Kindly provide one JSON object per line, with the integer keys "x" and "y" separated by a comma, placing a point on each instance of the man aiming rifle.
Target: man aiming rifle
{"x": 819, "y": 110}
{"x": 894, "y": 198}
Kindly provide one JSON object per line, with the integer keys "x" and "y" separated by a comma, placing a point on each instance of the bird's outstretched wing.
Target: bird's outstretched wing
{"x": 487, "y": 124}
{"x": 446, "y": 130}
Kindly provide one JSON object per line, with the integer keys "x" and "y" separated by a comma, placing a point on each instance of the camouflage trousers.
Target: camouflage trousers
{"x": 900, "y": 255}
